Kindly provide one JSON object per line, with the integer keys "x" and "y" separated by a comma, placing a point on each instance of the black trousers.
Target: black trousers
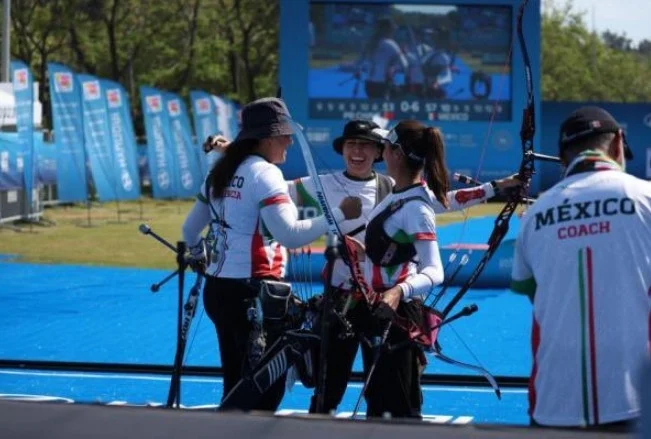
{"x": 395, "y": 385}
{"x": 340, "y": 356}
{"x": 226, "y": 302}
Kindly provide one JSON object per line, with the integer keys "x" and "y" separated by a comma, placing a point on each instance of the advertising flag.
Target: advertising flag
{"x": 96, "y": 137}
{"x": 160, "y": 154}
{"x": 188, "y": 168}
{"x": 204, "y": 114}
{"x": 67, "y": 119}
{"x": 122, "y": 139}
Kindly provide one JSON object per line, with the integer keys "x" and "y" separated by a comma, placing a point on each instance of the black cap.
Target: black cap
{"x": 587, "y": 122}
{"x": 266, "y": 117}
{"x": 362, "y": 130}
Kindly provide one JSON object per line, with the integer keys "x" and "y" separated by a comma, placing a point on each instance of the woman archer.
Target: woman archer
{"x": 361, "y": 146}
{"x": 403, "y": 263}
{"x": 245, "y": 201}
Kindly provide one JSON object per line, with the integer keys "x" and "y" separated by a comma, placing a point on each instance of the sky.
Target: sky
{"x": 619, "y": 16}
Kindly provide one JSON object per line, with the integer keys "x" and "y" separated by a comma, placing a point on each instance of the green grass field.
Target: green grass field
{"x": 109, "y": 242}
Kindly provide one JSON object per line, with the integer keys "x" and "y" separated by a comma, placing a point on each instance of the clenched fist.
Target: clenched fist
{"x": 351, "y": 207}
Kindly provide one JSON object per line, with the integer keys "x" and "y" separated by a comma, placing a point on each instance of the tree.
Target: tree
{"x": 579, "y": 66}
{"x": 252, "y": 45}
{"x": 644, "y": 48}
{"x": 617, "y": 42}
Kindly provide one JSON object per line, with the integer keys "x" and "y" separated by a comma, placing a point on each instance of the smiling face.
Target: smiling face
{"x": 359, "y": 156}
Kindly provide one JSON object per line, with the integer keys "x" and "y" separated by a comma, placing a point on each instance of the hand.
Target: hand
{"x": 351, "y": 207}
{"x": 508, "y": 182}
{"x": 392, "y": 297}
{"x": 198, "y": 257}
{"x": 215, "y": 143}
{"x": 381, "y": 316}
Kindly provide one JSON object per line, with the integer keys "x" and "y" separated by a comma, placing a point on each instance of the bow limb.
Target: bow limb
{"x": 490, "y": 378}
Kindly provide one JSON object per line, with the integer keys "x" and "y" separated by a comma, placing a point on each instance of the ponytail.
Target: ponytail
{"x": 436, "y": 173}
{"x": 424, "y": 150}
{"x": 224, "y": 170}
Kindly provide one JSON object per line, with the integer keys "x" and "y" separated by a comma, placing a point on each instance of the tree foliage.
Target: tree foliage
{"x": 579, "y": 65}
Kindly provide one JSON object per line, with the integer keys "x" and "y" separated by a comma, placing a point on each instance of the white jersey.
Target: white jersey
{"x": 415, "y": 221}
{"x": 338, "y": 185}
{"x": 584, "y": 248}
{"x": 243, "y": 247}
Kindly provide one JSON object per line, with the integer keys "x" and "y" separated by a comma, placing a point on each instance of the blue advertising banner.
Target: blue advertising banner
{"x": 635, "y": 120}
{"x": 204, "y": 114}
{"x": 161, "y": 157}
{"x": 96, "y": 137}
{"x": 189, "y": 171}
{"x": 123, "y": 140}
{"x": 453, "y": 69}
{"x": 23, "y": 85}
{"x": 67, "y": 116}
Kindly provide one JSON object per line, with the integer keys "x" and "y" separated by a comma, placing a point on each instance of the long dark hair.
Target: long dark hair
{"x": 224, "y": 170}
{"x": 426, "y": 143}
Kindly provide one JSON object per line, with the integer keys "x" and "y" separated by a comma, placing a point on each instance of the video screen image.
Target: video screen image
{"x": 436, "y": 62}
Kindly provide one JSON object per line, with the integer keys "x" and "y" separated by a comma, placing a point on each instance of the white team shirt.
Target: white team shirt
{"x": 243, "y": 246}
{"x": 337, "y": 186}
{"x": 585, "y": 247}
{"x": 415, "y": 221}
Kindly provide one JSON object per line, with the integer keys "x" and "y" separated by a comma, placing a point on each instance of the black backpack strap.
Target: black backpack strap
{"x": 384, "y": 187}
{"x": 356, "y": 230}
{"x": 383, "y": 250}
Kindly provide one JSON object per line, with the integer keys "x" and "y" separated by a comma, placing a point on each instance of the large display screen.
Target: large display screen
{"x": 428, "y": 62}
